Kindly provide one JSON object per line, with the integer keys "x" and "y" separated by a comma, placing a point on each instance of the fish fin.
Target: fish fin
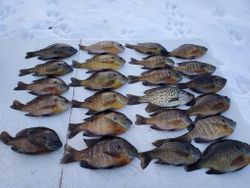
{"x": 21, "y": 86}
{"x": 76, "y": 104}
{"x": 191, "y": 103}
{"x": 148, "y": 91}
{"x": 90, "y": 112}
{"x": 164, "y": 52}
{"x": 91, "y": 89}
{"x": 192, "y": 167}
{"x": 129, "y": 46}
{"x": 152, "y": 108}
{"x": 145, "y": 68}
{"x": 82, "y": 47}
{"x": 33, "y": 93}
{"x": 145, "y": 83}
{"x": 140, "y": 120}
{"x": 5, "y": 137}
{"x": 75, "y": 82}
{"x": 133, "y": 61}
{"x": 155, "y": 128}
{"x": 190, "y": 127}
{"x": 77, "y": 64}
{"x": 69, "y": 154}
{"x": 74, "y": 129}
{"x": 133, "y": 99}
{"x": 91, "y": 142}
{"x": 30, "y": 55}
{"x": 145, "y": 159}
{"x": 213, "y": 171}
{"x": 31, "y": 115}
{"x": 201, "y": 140}
{"x": 133, "y": 79}
{"x": 159, "y": 161}
{"x": 17, "y": 105}
{"x": 24, "y": 72}
{"x": 238, "y": 161}
{"x": 90, "y": 71}
{"x": 149, "y": 56}
{"x": 159, "y": 142}
{"x": 87, "y": 133}
{"x": 182, "y": 85}
{"x": 85, "y": 164}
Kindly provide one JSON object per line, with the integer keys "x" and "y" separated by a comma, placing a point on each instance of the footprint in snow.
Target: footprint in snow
{"x": 52, "y": 2}
{"x": 234, "y": 36}
{"x": 52, "y": 13}
{"x": 243, "y": 84}
{"x": 219, "y": 12}
{"x": 6, "y": 11}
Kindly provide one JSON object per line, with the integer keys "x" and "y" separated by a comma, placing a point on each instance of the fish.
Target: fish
{"x": 152, "y": 62}
{"x": 159, "y": 76}
{"x": 50, "y": 68}
{"x": 45, "y": 105}
{"x": 101, "y": 80}
{"x": 205, "y": 130}
{"x": 205, "y": 84}
{"x": 54, "y": 51}
{"x": 223, "y": 156}
{"x": 188, "y": 51}
{"x": 103, "y": 47}
{"x": 108, "y": 123}
{"x": 101, "y": 101}
{"x": 150, "y": 48}
{"x": 192, "y": 69}
{"x": 170, "y": 120}
{"x": 100, "y": 62}
{"x": 171, "y": 153}
{"x": 104, "y": 153}
{"x": 34, "y": 140}
{"x": 44, "y": 86}
{"x": 209, "y": 104}
{"x": 167, "y": 96}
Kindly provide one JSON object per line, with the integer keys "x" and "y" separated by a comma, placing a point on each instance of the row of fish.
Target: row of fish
{"x": 109, "y": 152}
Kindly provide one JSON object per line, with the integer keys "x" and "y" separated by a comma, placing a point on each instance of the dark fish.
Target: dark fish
{"x": 33, "y": 140}
{"x": 206, "y": 130}
{"x": 171, "y": 153}
{"x": 45, "y": 105}
{"x": 50, "y": 68}
{"x": 107, "y": 152}
{"x": 188, "y": 51}
{"x": 100, "y": 62}
{"x": 108, "y": 123}
{"x": 194, "y": 68}
{"x": 209, "y": 104}
{"x": 101, "y": 101}
{"x": 162, "y": 97}
{"x": 171, "y": 119}
{"x": 103, "y": 47}
{"x": 54, "y": 51}
{"x": 157, "y": 76}
{"x": 205, "y": 84}
{"x": 152, "y": 62}
{"x": 223, "y": 156}
{"x": 149, "y": 48}
{"x": 101, "y": 80}
{"x": 44, "y": 86}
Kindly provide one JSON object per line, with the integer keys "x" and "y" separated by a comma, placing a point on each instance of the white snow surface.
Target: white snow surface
{"x": 224, "y": 25}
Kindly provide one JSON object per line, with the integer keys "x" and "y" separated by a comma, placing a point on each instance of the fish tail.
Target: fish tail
{"x": 133, "y": 99}
{"x": 129, "y": 46}
{"x": 30, "y": 55}
{"x": 77, "y": 104}
{"x": 76, "y": 82}
{"x": 5, "y": 137}
{"x": 69, "y": 154}
{"x": 140, "y": 120}
{"x": 17, "y": 105}
{"x": 133, "y": 79}
{"x": 82, "y": 47}
{"x": 133, "y": 61}
{"x": 21, "y": 86}
{"x": 74, "y": 129}
{"x": 192, "y": 167}
{"x": 159, "y": 142}
{"x": 77, "y": 64}
{"x": 182, "y": 85}
{"x": 25, "y": 71}
{"x": 145, "y": 159}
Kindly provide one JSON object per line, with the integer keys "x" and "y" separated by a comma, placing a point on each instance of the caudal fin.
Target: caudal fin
{"x": 145, "y": 159}
{"x": 21, "y": 86}
{"x": 5, "y": 137}
{"x": 74, "y": 129}
{"x": 133, "y": 99}
{"x": 133, "y": 61}
{"x": 129, "y": 46}
{"x": 133, "y": 79}
{"x": 30, "y": 55}
{"x": 25, "y": 71}
{"x": 76, "y": 82}
{"x": 140, "y": 120}
{"x": 77, "y": 104}
{"x": 77, "y": 64}
{"x": 17, "y": 105}
{"x": 69, "y": 154}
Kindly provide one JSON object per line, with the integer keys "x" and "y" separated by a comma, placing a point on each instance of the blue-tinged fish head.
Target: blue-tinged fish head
{"x": 122, "y": 120}
{"x": 210, "y": 68}
{"x": 52, "y": 140}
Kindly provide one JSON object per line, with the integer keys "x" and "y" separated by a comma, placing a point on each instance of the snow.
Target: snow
{"x": 223, "y": 25}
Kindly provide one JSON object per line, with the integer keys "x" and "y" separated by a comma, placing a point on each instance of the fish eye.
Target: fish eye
{"x": 112, "y": 42}
{"x": 55, "y": 100}
{"x": 114, "y": 96}
{"x": 223, "y": 120}
{"x": 55, "y": 82}
{"x": 119, "y": 147}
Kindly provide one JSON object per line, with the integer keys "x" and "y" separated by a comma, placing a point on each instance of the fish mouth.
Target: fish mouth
{"x": 54, "y": 146}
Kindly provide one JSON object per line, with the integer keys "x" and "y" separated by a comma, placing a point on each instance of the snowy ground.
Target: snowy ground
{"x": 224, "y": 25}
